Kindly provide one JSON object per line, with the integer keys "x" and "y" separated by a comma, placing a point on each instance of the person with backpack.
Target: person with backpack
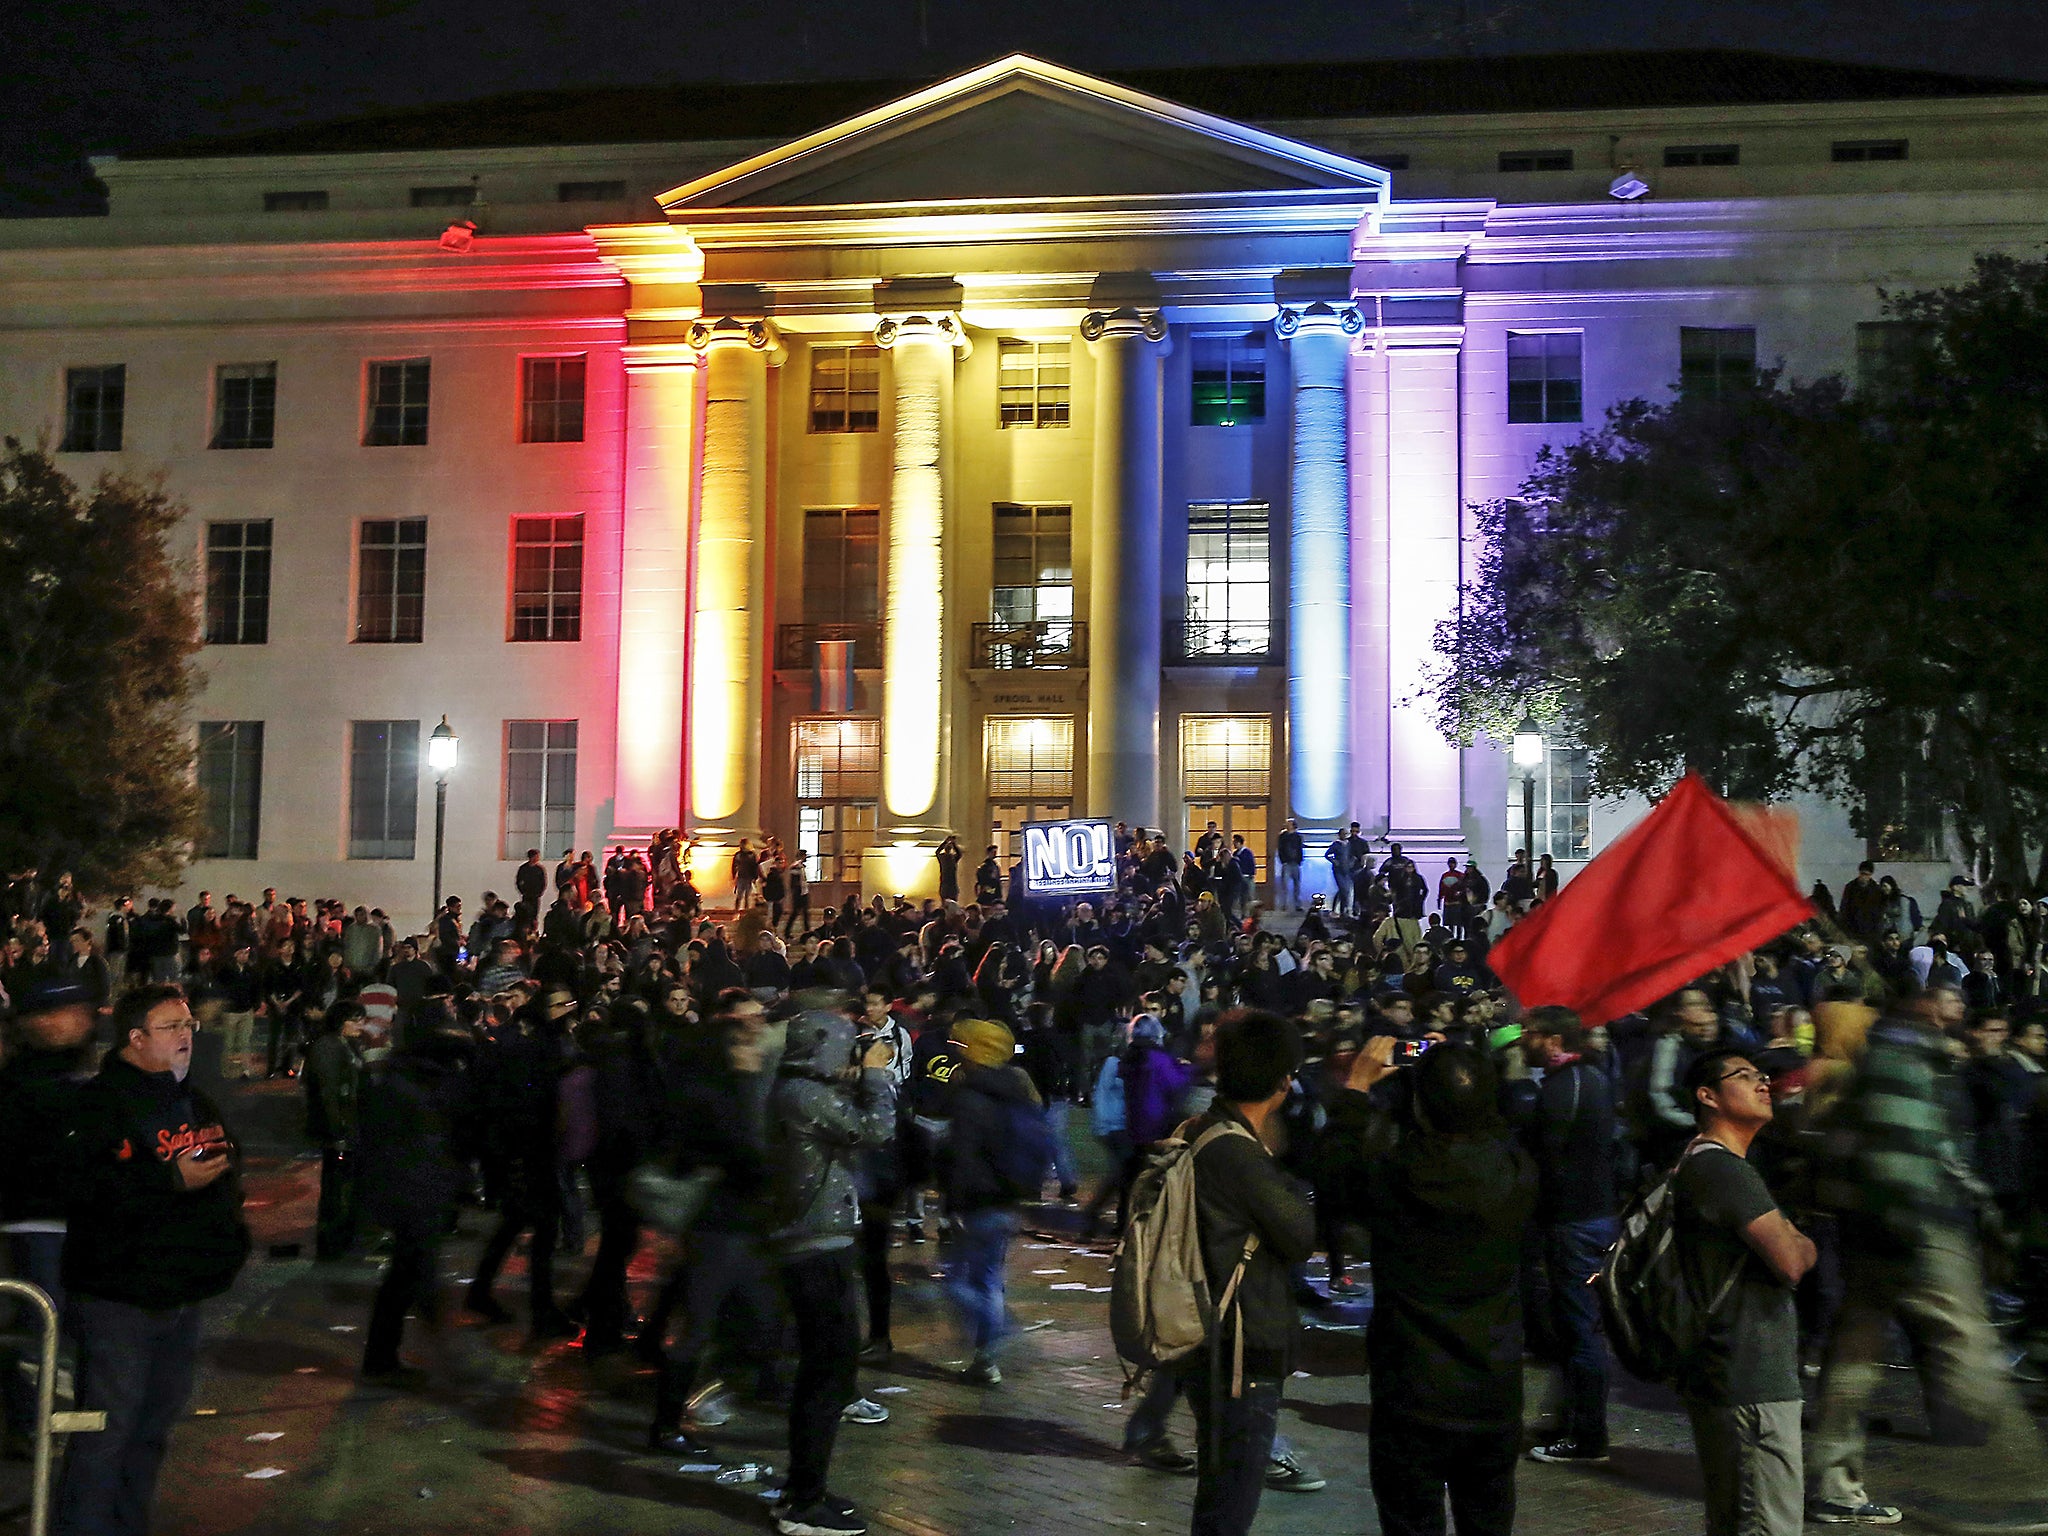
{"x": 1000, "y": 1152}
{"x": 1740, "y": 1261}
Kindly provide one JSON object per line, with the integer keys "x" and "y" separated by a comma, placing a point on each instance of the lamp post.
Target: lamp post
{"x": 441, "y": 758}
{"x": 1528, "y": 758}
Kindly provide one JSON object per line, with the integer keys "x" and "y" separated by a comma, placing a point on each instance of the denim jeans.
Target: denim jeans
{"x": 974, "y": 1278}
{"x": 1413, "y": 1466}
{"x": 137, "y": 1365}
{"x": 1062, "y": 1154}
{"x": 1287, "y": 894}
{"x": 1573, "y": 1252}
{"x": 1233, "y": 1443}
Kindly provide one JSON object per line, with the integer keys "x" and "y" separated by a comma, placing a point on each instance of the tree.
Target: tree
{"x": 1796, "y": 585}
{"x": 97, "y": 633}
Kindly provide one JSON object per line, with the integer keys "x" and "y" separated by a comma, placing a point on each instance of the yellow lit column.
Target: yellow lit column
{"x": 654, "y": 596}
{"x": 727, "y": 626}
{"x": 1124, "y": 601}
{"x": 915, "y": 678}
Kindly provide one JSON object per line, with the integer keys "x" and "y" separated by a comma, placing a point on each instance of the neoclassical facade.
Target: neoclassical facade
{"x": 1026, "y": 445}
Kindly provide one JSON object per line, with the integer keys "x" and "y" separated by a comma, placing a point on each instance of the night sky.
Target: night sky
{"x": 77, "y": 79}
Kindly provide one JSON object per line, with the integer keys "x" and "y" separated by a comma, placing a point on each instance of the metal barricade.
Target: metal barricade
{"x": 49, "y": 1422}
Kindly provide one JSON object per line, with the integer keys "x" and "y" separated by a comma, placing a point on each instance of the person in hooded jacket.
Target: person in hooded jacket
{"x": 414, "y": 1133}
{"x": 987, "y": 1088}
{"x": 826, "y": 1105}
{"x": 628, "y": 1096}
{"x": 1445, "y": 1191}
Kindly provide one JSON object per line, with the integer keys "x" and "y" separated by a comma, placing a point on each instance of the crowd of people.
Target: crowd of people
{"x": 1857, "y": 1115}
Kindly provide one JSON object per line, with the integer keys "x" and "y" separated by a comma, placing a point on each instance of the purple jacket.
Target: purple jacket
{"x": 1154, "y": 1086}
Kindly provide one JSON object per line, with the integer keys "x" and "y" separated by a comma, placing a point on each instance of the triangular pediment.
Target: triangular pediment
{"x": 1020, "y": 130}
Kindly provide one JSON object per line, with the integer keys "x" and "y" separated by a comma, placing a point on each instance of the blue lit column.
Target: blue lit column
{"x": 1319, "y": 564}
{"x": 1124, "y": 616}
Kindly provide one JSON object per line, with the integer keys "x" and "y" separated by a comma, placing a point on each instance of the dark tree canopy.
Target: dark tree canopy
{"x": 97, "y": 633}
{"x": 1796, "y": 584}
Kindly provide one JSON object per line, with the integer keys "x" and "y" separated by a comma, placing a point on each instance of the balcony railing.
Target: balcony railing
{"x": 1225, "y": 640}
{"x": 796, "y": 645}
{"x": 1046, "y": 643}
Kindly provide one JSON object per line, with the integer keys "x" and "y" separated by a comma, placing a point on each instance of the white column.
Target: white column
{"x": 654, "y": 593}
{"x": 728, "y": 630}
{"x": 1124, "y": 614}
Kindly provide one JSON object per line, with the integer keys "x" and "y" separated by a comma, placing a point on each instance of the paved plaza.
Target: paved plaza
{"x": 515, "y": 1439}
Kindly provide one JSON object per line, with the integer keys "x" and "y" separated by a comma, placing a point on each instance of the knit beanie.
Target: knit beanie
{"x": 984, "y": 1042}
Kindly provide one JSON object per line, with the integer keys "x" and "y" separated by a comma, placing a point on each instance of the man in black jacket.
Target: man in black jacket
{"x": 1445, "y": 1191}
{"x": 41, "y": 1089}
{"x": 1241, "y": 1194}
{"x": 155, "y": 1228}
{"x": 1571, "y": 1133}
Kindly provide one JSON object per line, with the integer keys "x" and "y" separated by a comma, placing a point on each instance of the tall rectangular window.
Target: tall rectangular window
{"x": 1884, "y": 352}
{"x": 540, "y": 785}
{"x": 547, "y": 578}
{"x": 846, "y": 389}
{"x": 391, "y": 581}
{"x": 1535, "y": 160}
{"x": 230, "y": 788}
{"x": 1229, "y": 374}
{"x": 1226, "y": 772}
{"x": 94, "y": 401}
{"x": 1857, "y": 150}
{"x": 1033, "y": 382}
{"x": 1030, "y": 774}
{"x": 1230, "y": 580}
{"x": 1544, "y": 382}
{"x": 1702, "y": 154}
{"x": 238, "y": 583}
{"x": 842, "y": 565}
{"x": 1563, "y": 819}
{"x": 838, "y": 790}
{"x": 244, "y": 405}
{"x": 397, "y": 404}
{"x": 1714, "y": 361}
{"x": 1034, "y": 564}
{"x": 383, "y": 788}
{"x": 551, "y": 399}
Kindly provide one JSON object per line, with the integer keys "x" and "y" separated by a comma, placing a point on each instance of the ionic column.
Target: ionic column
{"x": 1124, "y": 613}
{"x": 1319, "y": 565}
{"x": 654, "y": 591}
{"x": 728, "y": 631}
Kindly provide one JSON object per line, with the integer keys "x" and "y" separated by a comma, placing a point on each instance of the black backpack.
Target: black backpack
{"x": 1653, "y": 1320}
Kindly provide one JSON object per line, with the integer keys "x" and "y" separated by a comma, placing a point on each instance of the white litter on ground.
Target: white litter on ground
{"x": 264, "y": 1435}
{"x": 699, "y": 1466}
{"x": 263, "y": 1472}
{"x": 1069, "y": 1285}
{"x": 885, "y": 1391}
{"x": 1048, "y": 1271}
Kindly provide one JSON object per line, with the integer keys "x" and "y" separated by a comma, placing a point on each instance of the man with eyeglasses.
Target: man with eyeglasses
{"x": 154, "y": 1228}
{"x": 1741, "y": 1385}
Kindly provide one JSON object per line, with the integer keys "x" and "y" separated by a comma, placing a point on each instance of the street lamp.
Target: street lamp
{"x": 440, "y": 758}
{"x": 1528, "y": 758}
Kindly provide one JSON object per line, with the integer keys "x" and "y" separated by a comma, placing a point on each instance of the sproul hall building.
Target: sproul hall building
{"x": 858, "y": 463}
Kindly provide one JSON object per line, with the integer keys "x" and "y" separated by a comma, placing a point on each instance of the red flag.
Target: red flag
{"x": 1685, "y": 889}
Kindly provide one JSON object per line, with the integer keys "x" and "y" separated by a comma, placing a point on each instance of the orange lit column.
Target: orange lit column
{"x": 727, "y": 627}
{"x": 916, "y": 681}
{"x": 654, "y": 596}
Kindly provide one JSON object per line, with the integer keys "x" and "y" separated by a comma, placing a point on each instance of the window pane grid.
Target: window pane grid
{"x": 244, "y": 405}
{"x": 238, "y": 583}
{"x": 1714, "y": 360}
{"x": 1544, "y": 381}
{"x": 398, "y": 404}
{"x": 1563, "y": 814}
{"x": 1226, "y": 757}
{"x": 547, "y": 578}
{"x": 551, "y": 396}
{"x": 1030, "y": 758}
{"x": 846, "y": 389}
{"x": 391, "y": 581}
{"x": 1229, "y": 379}
{"x": 838, "y": 759}
{"x": 383, "y": 788}
{"x": 95, "y": 400}
{"x": 842, "y": 565}
{"x": 1229, "y": 572}
{"x": 540, "y": 785}
{"x": 1034, "y": 564}
{"x": 1033, "y": 382}
{"x": 230, "y": 788}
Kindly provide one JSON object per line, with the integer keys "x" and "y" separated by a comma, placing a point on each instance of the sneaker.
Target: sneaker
{"x": 826, "y": 1516}
{"x": 1162, "y": 1456}
{"x": 678, "y": 1442}
{"x": 1569, "y": 1453}
{"x": 982, "y": 1372}
{"x": 1348, "y": 1288}
{"x": 709, "y": 1407}
{"x": 1290, "y": 1474}
{"x": 1845, "y": 1512}
{"x": 864, "y": 1410}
